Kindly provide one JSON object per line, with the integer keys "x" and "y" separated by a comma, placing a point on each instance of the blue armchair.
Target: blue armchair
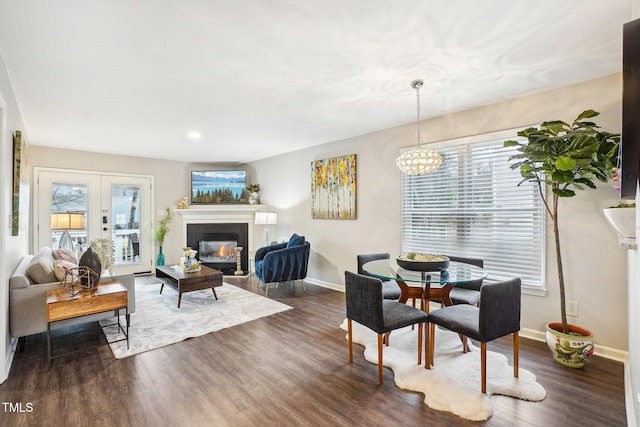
{"x": 282, "y": 262}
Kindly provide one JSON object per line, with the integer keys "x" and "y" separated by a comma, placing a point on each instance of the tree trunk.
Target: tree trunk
{"x": 563, "y": 311}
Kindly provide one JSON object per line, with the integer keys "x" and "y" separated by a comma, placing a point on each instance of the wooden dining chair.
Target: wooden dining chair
{"x": 497, "y": 316}
{"x": 366, "y": 306}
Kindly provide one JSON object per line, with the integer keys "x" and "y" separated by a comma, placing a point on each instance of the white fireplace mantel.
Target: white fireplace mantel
{"x": 206, "y": 214}
{"x": 220, "y": 213}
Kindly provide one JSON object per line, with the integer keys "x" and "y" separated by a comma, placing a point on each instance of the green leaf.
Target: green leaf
{"x": 562, "y": 177}
{"x": 586, "y": 182}
{"x": 586, "y": 114}
{"x": 565, "y": 163}
{"x": 511, "y": 143}
{"x": 555, "y": 127}
{"x": 564, "y": 192}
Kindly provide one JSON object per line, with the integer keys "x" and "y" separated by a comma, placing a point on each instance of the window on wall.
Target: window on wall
{"x": 472, "y": 206}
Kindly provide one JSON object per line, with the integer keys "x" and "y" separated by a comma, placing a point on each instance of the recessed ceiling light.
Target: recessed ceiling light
{"x": 194, "y": 135}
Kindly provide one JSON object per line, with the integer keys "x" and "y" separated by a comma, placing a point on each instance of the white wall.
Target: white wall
{"x": 596, "y": 268}
{"x": 11, "y": 248}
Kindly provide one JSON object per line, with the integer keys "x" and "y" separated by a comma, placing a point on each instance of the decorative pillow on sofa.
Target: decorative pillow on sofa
{"x": 65, "y": 255}
{"x": 61, "y": 266}
{"x": 40, "y": 268}
{"x": 295, "y": 240}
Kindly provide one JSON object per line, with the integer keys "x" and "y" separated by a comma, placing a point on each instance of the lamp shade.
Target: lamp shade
{"x": 266, "y": 218}
{"x": 67, "y": 221}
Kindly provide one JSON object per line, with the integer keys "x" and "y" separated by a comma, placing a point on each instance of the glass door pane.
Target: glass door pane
{"x": 67, "y": 208}
{"x": 125, "y": 233}
{"x": 126, "y": 208}
{"x": 68, "y": 216}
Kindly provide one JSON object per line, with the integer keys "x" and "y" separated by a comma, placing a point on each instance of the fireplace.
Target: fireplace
{"x": 216, "y": 243}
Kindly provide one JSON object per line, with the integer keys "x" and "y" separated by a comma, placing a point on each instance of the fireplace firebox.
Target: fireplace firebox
{"x": 216, "y": 243}
{"x": 217, "y": 251}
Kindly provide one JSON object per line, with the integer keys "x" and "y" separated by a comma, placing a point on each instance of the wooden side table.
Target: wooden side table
{"x": 107, "y": 296}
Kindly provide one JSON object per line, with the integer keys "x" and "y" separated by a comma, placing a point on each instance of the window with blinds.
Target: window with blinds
{"x": 472, "y": 206}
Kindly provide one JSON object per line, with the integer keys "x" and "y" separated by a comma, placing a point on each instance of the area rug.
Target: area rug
{"x": 453, "y": 383}
{"x": 158, "y": 321}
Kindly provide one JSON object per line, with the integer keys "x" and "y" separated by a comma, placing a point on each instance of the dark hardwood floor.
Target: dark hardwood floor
{"x": 288, "y": 369}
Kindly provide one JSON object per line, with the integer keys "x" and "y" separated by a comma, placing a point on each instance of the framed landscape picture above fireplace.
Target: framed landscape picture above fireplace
{"x": 214, "y": 187}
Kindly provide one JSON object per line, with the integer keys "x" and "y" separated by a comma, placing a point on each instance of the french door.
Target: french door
{"x": 73, "y": 208}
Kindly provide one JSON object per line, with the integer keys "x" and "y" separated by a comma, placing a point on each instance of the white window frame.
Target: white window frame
{"x": 500, "y": 258}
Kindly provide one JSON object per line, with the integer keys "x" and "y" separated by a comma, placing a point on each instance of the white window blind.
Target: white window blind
{"x": 472, "y": 206}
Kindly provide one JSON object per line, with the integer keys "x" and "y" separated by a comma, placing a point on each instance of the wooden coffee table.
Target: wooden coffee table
{"x": 188, "y": 282}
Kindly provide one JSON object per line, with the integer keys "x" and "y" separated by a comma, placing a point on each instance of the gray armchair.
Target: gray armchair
{"x": 497, "y": 316}
{"x": 366, "y": 306}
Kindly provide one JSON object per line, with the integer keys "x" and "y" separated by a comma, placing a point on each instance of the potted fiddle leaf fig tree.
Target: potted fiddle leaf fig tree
{"x": 560, "y": 158}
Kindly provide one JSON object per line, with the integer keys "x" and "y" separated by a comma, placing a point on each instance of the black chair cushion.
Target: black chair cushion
{"x": 390, "y": 290}
{"x": 462, "y": 318}
{"x": 461, "y": 295}
{"x": 398, "y": 315}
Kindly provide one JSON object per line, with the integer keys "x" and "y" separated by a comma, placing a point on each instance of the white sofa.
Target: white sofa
{"x": 28, "y": 286}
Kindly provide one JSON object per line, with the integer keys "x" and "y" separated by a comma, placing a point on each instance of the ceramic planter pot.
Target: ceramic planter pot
{"x": 572, "y": 349}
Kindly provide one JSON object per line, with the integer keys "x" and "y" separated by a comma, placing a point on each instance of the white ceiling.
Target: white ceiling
{"x": 258, "y": 78}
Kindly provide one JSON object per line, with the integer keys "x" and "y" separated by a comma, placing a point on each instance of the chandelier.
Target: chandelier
{"x": 418, "y": 161}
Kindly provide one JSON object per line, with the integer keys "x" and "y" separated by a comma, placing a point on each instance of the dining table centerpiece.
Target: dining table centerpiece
{"x": 417, "y": 261}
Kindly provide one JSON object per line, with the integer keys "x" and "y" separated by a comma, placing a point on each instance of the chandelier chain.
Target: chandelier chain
{"x": 418, "y": 111}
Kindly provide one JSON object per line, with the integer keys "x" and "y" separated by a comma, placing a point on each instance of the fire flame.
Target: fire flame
{"x": 224, "y": 251}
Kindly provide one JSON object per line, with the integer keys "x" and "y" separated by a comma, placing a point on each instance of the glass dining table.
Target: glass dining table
{"x": 426, "y": 285}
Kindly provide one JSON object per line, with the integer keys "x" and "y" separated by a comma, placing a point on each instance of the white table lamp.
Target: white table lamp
{"x": 266, "y": 219}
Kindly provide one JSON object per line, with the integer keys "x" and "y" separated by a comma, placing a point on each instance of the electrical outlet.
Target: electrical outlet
{"x": 572, "y": 308}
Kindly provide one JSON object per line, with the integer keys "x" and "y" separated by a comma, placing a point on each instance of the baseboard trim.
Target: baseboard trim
{"x": 600, "y": 350}
{"x": 322, "y": 283}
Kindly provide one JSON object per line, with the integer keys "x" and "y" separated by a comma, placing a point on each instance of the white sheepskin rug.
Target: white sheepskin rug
{"x": 453, "y": 383}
